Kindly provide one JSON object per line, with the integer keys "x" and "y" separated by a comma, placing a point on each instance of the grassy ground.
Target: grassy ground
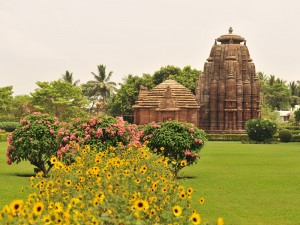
{"x": 12, "y": 178}
{"x": 248, "y": 183}
{"x": 243, "y": 183}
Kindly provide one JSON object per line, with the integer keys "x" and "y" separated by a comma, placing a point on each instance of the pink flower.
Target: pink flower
{"x": 187, "y": 152}
{"x": 51, "y": 131}
{"x": 20, "y": 139}
{"x": 8, "y": 161}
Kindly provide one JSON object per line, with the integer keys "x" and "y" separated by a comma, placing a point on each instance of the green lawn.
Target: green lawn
{"x": 248, "y": 183}
{"x": 12, "y": 178}
{"x": 243, "y": 183}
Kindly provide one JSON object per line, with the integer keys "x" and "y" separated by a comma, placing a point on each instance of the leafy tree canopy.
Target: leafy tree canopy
{"x": 121, "y": 103}
{"x": 6, "y": 99}
{"x": 101, "y": 88}
{"x": 186, "y": 76}
{"x": 59, "y": 98}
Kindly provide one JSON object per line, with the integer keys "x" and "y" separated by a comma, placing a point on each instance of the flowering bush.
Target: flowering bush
{"x": 117, "y": 186}
{"x": 99, "y": 132}
{"x": 34, "y": 140}
{"x": 177, "y": 141}
{"x": 260, "y": 130}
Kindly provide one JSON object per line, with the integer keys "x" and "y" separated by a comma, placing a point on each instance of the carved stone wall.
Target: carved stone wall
{"x": 228, "y": 89}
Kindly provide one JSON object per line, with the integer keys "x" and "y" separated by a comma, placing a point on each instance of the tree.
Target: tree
{"x": 178, "y": 142}
{"x": 59, "y": 98}
{"x": 295, "y": 100}
{"x": 121, "y": 103}
{"x": 274, "y": 92}
{"x": 101, "y": 88}
{"x": 22, "y": 106}
{"x": 186, "y": 76}
{"x": 34, "y": 140}
{"x": 6, "y": 100}
{"x": 68, "y": 77}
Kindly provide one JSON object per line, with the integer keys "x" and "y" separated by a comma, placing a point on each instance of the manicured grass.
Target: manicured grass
{"x": 247, "y": 183}
{"x": 13, "y": 178}
{"x": 243, "y": 183}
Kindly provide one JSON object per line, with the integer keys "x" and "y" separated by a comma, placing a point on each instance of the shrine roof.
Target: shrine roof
{"x": 180, "y": 94}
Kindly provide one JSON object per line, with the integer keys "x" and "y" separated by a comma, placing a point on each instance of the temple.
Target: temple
{"x": 167, "y": 101}
{"x": 228, "y": 90}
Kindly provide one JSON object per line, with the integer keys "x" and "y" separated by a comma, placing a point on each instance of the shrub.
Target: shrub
{"x": 35, "y": 141}
{"x": 120, "y": 186}
{"x": 97, "y": 132}
{"x": 260, "y": 130}
{"x": 177, "y": 141}
{"x": 285, "y": 135}
{"x": 9, "y": 126}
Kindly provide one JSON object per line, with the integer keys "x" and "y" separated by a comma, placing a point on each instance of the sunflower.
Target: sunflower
{"x": 177, "y": 211}
{"x": 58, "y": 207}
{"x": 183, "y": 163}
{"x": 137, "y": 180}
{"x": 141, "y": 205}
{"x": 38, "y": 208}
{"x": 195, "y": 218}
{"x": 53, "y": 160}
{"x": 16, "y": 206}
{"x": 182, "y": 195}
{"x": 164, "y": 189}
{"x": 220, "y": 221}
{"x": 47, "y": 219}
{"x": 190, "y": 191}
{"x": 81, "y": 179}
{"x": 68, "y": 183}
{"x": 201, "y": 200}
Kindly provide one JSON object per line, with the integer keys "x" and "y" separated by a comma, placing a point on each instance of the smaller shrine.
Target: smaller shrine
{"x": 167, "y": 101}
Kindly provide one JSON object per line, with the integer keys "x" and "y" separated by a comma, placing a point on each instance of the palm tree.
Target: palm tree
{"x": 101, "y": 88}
{"x": 68, "y": 77}
{"x": 293, "y": 88}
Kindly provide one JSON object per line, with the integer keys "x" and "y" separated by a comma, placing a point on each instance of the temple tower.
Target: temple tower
{"x": 228, "y": 89}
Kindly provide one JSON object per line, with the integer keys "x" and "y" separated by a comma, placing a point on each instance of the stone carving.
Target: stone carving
{"x": 228, "y": 90}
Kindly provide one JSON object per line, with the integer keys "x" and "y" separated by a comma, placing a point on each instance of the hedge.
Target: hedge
{"x": 226, "y": 137}
{"x": 9, "y": 126}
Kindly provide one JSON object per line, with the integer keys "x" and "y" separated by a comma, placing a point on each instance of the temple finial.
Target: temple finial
{"x": 230, "y": 30}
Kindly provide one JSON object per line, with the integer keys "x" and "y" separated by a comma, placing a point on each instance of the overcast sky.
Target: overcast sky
{"x": 41, "y": 39}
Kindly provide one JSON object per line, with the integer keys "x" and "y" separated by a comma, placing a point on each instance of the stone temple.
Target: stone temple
{"x": 228, "y": 90}
{"x": 227, "y": 93}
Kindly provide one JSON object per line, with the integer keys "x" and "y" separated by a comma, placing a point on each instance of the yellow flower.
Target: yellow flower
{"x": 58, "y": 207}
{"x": 68, "y": 183}
{"x": 220, "y": 221}
{"x": 183, "y": 163}
{"x": 16, "y": 206}
{"x": 182, "y": 195}
{"x": 141, "y": 205}
{"x": 201, "y": 200}
{"x": 195, "y": 218}
{"x": 47, "y": 219}
{"x": 53, "y": 160}
{"x": 162, "y": 148}
{"x": 137, "y": 180}
{"x": 38, "y": 208}
{"x": 190, "y": 191}
{"x": 177, "y": 211}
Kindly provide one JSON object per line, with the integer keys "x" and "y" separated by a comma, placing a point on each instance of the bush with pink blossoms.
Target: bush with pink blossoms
{"x": 179, "y": 142}
{"x": 34, "y": 140}
{"x": 100, "y": 132}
